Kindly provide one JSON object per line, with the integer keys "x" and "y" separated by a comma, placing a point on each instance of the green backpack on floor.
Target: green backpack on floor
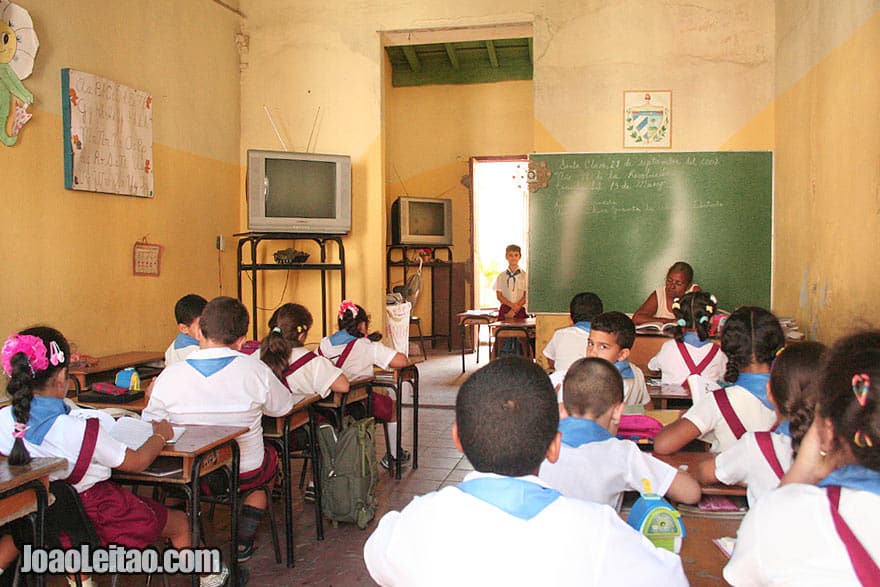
{"x": 349, "y": 472}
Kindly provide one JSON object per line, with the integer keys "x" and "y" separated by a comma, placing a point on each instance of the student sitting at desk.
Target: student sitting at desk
{"x": 219, "y": 386}
{"x": 692, "y": 352}
{"x": 502, "y": 525}
{"x": 569, "y": 344}
{"x": 822, "y": 526}
{"x": 357, "y": 353}
{"x": 658, "y": 306}
{"x": 40, "y": 424}
{"x": 751, "y": 338}
{"x": 759, "y": 459}
{"x": 510, "y": 287}
{"x": 611, "y": 338}
{"x": 187, "y": 311}
{"x": 593, "y": 464}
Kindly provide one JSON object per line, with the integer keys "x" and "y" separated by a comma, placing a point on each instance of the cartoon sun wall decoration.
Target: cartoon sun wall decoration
{"x": 18, "y": 48}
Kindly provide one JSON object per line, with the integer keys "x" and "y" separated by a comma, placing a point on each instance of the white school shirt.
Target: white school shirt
{"x": 744, "y": 463}
{"x": 449, "y": 537}
{"x": 635, "y": 390}
{"x": 566, "y": 346}
{"x": 363, "y": 356}
{"x": 789, "y": 538}
{"x": 238, "y": 394}
{"x": 315, "y": 377}
{"x": 706, "y": 416}
{"x": 600, "y": 472}
{"x": 669, "y": 360}
{"x": 511, "y": 289}
{"x": 175, "y": 355}
{"x": 663, "y": 310}
{"x": 64, "y": 439}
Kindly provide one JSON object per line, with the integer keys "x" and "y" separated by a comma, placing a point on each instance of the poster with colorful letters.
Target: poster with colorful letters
{"x": 108, "y": 136}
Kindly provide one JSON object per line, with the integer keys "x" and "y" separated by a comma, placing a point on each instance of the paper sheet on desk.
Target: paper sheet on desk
{"x": 133, "y": 432}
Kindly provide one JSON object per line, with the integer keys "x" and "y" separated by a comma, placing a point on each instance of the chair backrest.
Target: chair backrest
{"x": 67, "y": 523}
{"x": 515, "y": 333}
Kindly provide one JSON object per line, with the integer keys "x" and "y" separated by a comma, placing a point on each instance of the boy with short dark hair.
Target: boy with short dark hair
{"x": 502, "y": 525}
{"x": 187, "y": 312}
{"x": 569, "y": 344}
{"x": 593, "y": 464}
{"x": 612, "y": 336}
{"x": 219, "y": 386}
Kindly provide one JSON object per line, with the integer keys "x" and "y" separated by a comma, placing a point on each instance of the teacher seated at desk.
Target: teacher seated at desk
{"x": 658, "y": 306}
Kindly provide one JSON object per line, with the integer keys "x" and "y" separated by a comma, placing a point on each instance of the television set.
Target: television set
{"x": 421, "y": 221}
{"x": 305, "y": 193}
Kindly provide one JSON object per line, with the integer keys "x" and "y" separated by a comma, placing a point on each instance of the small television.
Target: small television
{"x": 421, "y": 221}
{"x": 305, "y": 193}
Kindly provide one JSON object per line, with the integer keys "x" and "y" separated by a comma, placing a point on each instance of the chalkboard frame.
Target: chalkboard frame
{"x": 594, "y": 225}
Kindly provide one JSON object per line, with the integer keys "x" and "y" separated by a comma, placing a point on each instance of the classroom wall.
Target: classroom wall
{"x": 320, "y": 70}
{"x": 827, "y": 175}
{"x": 67, "y": 256}
{"x": 431, "y": 132}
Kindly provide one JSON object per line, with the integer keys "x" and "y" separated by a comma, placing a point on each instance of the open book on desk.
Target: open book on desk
{"x": 656, "y": 328}
{"x": 134, "y": 432}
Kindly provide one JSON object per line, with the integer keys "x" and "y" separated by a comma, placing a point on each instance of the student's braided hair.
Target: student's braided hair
{"x": 750, "y": 335}
{"x": 792, "y": 383}
{"x": 30, "y": 358}
{"x": 694, "y": 311}
{"x": 350, "y": 317}
{"x": 285, "y": 328}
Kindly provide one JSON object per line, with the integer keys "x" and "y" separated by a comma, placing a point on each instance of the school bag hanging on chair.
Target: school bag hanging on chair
{"x": 349, "y": 472}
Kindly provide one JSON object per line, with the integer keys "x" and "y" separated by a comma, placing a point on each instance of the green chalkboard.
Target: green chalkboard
{"x": 613, "y": 223}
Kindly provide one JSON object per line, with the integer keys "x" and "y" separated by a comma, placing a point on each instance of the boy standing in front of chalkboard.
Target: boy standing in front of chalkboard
{"x": 510, "y": 287}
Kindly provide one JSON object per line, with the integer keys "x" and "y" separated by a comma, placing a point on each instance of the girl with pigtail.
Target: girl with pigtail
{"x": 759, "y": 460}
{"x": 691, "y": 352}
{"x": 356, "y": 352}
{"x": 297, "y": 367}
{"x": 40, "y": 424}
{"x": 751, "y": 338}
{"x": 822, "y": 526}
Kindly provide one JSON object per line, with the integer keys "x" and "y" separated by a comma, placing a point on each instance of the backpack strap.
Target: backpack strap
{"x": 765, "y": 443}
{"x": 345, "y": 352}
{"x": 733, "y": 421}
{"x": 90, "y": 441}
{"x": 864, "y": 566}
{"x": 296, "y": 365}
{"x": 695, "y": 369}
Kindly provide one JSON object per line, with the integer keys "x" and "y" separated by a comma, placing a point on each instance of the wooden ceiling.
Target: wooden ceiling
{"x": 462, "y": 62}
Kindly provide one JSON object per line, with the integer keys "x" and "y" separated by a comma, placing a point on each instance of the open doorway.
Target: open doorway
{"x": 499, "y": 194}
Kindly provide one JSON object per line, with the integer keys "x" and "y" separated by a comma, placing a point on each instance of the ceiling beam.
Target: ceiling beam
{"x": 410, "y": 53}
{"x": 450, "y": 51}
{"x": 493, "y": 56}
{"x": 455, "y": 35}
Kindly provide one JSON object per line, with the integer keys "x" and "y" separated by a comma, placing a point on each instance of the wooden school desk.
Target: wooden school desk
{"x": 24, "y": 489}
{"x": 664, "y": 395}
{"x": 398, "y": 377}
{"x": 477, "y": 318}
{"x": 690, "y": 460}
{"x": 136, "y": 406}
{"x": 106, "y": 367}
{"x": 702, "y": 560}
{"x": 277, "y": 430}
{"x": 525, "y": 329}
{"x": 199, "y": 451}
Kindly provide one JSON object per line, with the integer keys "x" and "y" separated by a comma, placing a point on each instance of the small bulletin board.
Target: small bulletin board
{"x": 108, "y": 136}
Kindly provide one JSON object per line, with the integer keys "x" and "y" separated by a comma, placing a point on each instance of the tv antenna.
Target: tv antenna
{"x": 274, "y": 127}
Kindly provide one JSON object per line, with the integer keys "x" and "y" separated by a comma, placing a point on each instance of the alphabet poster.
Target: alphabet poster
{"x": 108, "y": 136}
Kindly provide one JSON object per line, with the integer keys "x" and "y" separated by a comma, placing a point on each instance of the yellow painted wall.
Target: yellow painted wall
{"x": 66, "y": 255}
{"x": 431, "y": 133}
{"x": 827, "y": 172}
